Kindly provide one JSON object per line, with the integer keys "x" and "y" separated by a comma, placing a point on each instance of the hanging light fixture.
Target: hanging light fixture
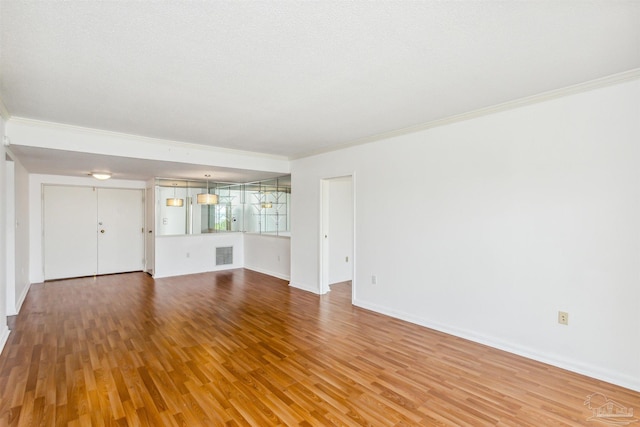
{"x": 263, "y": 195}
{"x": 206, "y": 198}
{"x": 174, "y": 201}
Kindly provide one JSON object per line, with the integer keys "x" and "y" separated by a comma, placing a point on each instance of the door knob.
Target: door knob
{"x": 102, "y": 231}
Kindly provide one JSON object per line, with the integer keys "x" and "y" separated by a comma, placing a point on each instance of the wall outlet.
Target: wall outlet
{"x": 346, "y": 259}
{"x": 374, "y": 280}
{"x": 563, "y": 317}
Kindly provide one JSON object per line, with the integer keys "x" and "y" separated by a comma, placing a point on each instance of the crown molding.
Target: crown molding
{"x": 509, "y": 105}
{"x": 157, "y": 141}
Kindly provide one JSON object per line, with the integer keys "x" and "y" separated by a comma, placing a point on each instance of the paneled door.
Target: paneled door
{"x": 89, "y": 231}
{"x": 120, "y": 230}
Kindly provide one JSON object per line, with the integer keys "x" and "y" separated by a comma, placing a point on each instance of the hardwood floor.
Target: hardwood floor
{"x": 241, "y": 348}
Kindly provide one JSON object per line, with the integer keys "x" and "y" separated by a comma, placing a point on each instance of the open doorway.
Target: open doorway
{"x": 337, "y": 235}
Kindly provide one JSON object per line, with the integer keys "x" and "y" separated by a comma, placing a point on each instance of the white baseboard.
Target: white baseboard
{"x": 23, "y": 296}
{"x": 269, "y": 273}
{"x": 4, "y": 337}
{"x": 12, "y": 310}
{"x": 159, "y": 274}
{"x": 576, "y": 366}
{"x": 304, "y": 288}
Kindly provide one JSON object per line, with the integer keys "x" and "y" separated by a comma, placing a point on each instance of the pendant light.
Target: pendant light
{"x": 263, "y": 195}
{"x": 206, "y": 198}
{"x": 174, "y": 201}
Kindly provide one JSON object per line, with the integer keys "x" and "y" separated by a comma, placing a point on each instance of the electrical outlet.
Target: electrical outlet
{"x": 346, "y": 259}
{"x": 563, "y": 317}
{"x": 374, "y": 280}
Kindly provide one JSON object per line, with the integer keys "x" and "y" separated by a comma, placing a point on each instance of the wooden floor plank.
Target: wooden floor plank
{"x": 239, "y": 348}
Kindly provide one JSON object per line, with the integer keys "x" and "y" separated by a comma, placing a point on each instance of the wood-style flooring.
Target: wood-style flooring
{"x": 241, "y": 348}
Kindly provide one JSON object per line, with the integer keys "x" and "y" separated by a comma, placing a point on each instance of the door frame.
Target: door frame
{"x": 149, "y": 227}
{"x": 10, "y": 234}
{"x": 323, "y": 264}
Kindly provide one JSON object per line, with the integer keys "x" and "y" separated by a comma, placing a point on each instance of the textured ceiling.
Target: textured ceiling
{"x": 293, "y": 77}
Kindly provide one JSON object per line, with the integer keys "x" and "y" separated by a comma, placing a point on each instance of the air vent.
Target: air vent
{"x": 224, "y": 256}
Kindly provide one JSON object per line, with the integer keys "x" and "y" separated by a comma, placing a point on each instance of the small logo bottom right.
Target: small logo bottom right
{"x": 608, "y": 411}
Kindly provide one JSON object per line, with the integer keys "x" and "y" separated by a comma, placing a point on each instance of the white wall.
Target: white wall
{"x": 4, "y": 330}
{"x": 172, "y": 220}
{"x": 178, "y": 255}
{"x": 506, "y": 219}
{"x": 21, "y": 233}
{"x": 10, "y": 235}
{"x": 340, "y": 225}
{"x": 34, "y": 133}
{"x": 170, "y": 251}
{"x": 268, "y": 254}
{"x": 36, "y": 181}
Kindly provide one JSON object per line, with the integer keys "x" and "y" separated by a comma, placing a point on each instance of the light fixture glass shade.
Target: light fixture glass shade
{"x": 267, "y": 205}
{"x": 207, "y": 199}
{"x": 101, "y": 175}
{"x": 173, "y": 201}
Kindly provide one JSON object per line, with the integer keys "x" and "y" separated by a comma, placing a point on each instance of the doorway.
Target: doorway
{"x": 90, "y": 231}
{"x": 337, "y": 252}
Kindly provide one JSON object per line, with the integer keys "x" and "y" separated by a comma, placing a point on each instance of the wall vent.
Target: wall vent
{"x": 224, "y": 256}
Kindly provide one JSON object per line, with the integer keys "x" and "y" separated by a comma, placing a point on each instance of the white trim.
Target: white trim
{"x": 10, "y": 236}
{"x": 4, "y": 337}
{"x": 323, "y": 249}
{"x": 145, "y": 139}
{"x": 20, "y": 301}
{"x": 509, "y": 105}
{"x": 354, "y": 257}
{"x": 268, "y": 273}
{"x": 304, "y": 288}
{"x": 617, "y": 378}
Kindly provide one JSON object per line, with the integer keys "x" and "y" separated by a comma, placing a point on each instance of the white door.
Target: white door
{"x": 337, "y": 237}
{"x": 120, "y": 230}
{"x": 89, "y": 231}
{"x": 70, "y": 246}
{"x": 340, "y": 251}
